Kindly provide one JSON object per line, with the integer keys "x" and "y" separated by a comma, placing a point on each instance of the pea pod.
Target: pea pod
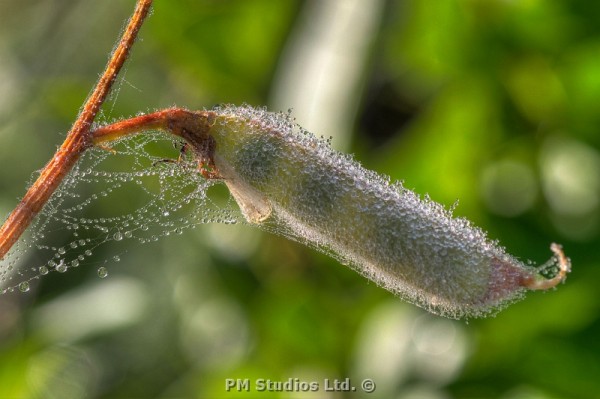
{"x": 288, "y": 181}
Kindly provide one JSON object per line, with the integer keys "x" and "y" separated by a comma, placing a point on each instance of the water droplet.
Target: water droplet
{"x": 88, "y": 252}
{"x": 43, "y": 270}
{"x": 102, "y": 272}
{"x": 61, "y": 268}
{"x": 117, "y": 258}
{"x": 24, "y": 286}
{"x": 75, "y": 263}
{"x": 128, "y": 234}
{"x": 118, "y": 236}
{"x": 61, "y": 251}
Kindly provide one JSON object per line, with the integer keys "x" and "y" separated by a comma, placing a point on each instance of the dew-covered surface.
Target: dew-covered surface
{"x": 406, "y": 243}
{"x": 135, "y": 193}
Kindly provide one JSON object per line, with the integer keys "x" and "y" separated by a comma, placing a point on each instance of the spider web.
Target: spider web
{"x": 142, "y": 190}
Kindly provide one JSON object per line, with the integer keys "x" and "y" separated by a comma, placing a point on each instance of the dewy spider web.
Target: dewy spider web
{"x": 140, "y": 192}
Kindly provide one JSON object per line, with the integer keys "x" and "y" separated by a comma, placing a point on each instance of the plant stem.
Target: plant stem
{"x": 77, "y": 141}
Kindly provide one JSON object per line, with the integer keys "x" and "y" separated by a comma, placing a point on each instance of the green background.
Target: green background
{"x": 493, "y": 102}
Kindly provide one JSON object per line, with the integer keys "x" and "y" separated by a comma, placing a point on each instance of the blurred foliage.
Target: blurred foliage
{"x": 494, "y": 102}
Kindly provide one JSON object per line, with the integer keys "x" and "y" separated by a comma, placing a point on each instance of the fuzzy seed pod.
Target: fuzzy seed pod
{"x": 286, "y": 180}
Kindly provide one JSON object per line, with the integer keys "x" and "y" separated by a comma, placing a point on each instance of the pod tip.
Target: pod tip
{"x": 539, "y": 282}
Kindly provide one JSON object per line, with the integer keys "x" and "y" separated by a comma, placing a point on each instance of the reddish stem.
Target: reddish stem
{"x": 193, "y": 126}
{"x": 78, "y": 139}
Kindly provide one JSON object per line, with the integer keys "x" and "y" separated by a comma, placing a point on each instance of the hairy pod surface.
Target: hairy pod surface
{"x": 288, "y": 181}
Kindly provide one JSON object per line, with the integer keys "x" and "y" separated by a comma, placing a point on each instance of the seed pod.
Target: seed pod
{"x": 286, "y": 180}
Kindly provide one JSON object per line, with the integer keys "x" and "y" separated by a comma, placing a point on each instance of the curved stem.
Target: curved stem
{"x": 564, "y": 266}
{"x": 77, "y": 140}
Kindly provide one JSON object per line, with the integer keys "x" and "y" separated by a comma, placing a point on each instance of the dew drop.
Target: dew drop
{"x": 75, "y": 263}
{"x": 118, "y": 236}
{"x": 61, "y": 268}
{"x": 88, "y": 252}
{"x": 61, "y": 251}
{"x": 24, "y": 286}
{"x": 102, "y": 272}
{"x": 117, "y": 258}
{"x": 43, "y": 270}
